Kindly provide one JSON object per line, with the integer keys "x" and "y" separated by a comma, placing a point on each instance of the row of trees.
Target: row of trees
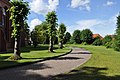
{"x": 43, "y": 33}
{"x": 47, "y": 32}
{"x": 84, "y": 36}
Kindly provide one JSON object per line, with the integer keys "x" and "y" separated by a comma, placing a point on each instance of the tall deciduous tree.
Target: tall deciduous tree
{"x": 51, "y": 19}
{"x": 86, "y": 36}
{"x": 76, "y": 36}
{"x": 19, "y": 12}
{"x": 61, "y": 33}
{"x": 67, "y": 37}
{"x": 117, "y": 37}
{"x": 40, "y": 34}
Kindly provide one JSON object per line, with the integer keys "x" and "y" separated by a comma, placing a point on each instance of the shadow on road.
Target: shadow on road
{"x": 87, "y": 73}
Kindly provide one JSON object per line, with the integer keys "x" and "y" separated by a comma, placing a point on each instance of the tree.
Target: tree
{"x": 107, "y": 39}
{"x": 39, "y": 34}
{"x": 86, "y": 36}
{"x": 34, "y": 38}
{"x": 67, "y": 37}
{"x": 19, "y": 12}
{"x": 61, "y": 33}
{"x": 76, "y": 36}
{"x": 51, "y": 19}
{"x": 97, "y": 41}
{"x": 25, "y": 34}
{"x": 117, "y": 37}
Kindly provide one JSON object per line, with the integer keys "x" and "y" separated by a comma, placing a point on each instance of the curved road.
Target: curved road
{"x": 46, "y": 69}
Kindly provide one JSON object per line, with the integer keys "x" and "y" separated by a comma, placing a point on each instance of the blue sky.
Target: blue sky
{"x": 97, "y": 15}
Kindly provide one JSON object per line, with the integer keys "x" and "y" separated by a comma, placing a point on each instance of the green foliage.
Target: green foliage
{"x": 18, "y": 12}
{"x": 117, "y": 37}
{"x": 26, "y": 28}
{"x": 61, "y": 33}
{"x": 84, "y": 43}
{"x": 107, "y": 39}
{"x": 51, "y": 19}
{"x": 109, "y": 44}
{"x": 86, "y": 36}
{"x": 34, "y": 38}
{"x": 97, "y": 42}
{"x": 76, "y": 36}
{"x": 67, "y": 37}
{"x": 40, "y": 34}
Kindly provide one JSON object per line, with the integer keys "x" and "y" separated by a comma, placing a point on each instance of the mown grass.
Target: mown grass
{"x": 103, "y": 65}
{"x": 30, "y": 54}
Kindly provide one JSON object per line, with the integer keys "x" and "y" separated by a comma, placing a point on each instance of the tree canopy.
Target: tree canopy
{"x": 67, "y": 37}
{"x": 76, "y": 36}
{"x": 117, "y": 37}
{"x": 61, "y": 33}
{"x": 86, "y": 36}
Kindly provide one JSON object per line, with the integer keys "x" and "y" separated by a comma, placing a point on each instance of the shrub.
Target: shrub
{"x": 97, "y": 42}
{"x": 109, "y": 44}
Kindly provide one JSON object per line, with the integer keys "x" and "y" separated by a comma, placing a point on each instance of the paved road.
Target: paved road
{"x": 46, "y": 69}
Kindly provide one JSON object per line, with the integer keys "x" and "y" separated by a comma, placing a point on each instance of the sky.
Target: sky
{"x": 97, "y": 15}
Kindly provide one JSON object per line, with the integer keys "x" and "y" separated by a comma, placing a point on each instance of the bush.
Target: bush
{"x": 84, "y": 43}
{"x": 97, "y": 42}
{"x": 109, "y": 44}
{"x": 107, "y": 39}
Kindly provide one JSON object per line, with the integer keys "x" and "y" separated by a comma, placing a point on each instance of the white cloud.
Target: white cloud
{"x": 81, "y": 4}
{"x": 42, "y": 7}
{"x": 33, "y": 23}
{"x": 109, "y": 3}
{"x": 53, "y": 5}
{"x": 102, "y": 27}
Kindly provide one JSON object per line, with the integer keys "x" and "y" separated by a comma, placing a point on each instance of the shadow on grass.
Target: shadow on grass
{"x": 87, "y": 73}
{"x": 7, "y": 64}
{"x": 4, "y": 57}
{"x": 32, "y": 48}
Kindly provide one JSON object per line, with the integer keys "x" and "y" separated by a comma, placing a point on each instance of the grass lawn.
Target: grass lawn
{"x": 30, "y": 54}
{"x": 103, "y": 65}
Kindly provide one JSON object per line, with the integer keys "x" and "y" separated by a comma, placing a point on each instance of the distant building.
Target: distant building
{"x": 112, "y": 36}
{"x": 97, "y": 35}
{"x": 6, "y": 43}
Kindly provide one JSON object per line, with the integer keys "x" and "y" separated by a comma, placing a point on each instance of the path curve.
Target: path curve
{"x": 46, "y": 69}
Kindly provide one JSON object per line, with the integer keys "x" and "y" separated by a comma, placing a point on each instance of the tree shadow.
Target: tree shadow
{"x": 32, "y": 48}
{"x": 4, "y": 57}
{"x": 68, "y": 58}
{"x": 24, "y": 72}
{"x": 87, "y": 73}
{"x": 81, "y": 52}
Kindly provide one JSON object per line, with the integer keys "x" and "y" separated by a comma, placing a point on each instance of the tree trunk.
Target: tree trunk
{"x": 60, "y": 45}
{"x": 17, "y": 45}
{"x": 51, "y": 44}
{"x": 17, "y": 49}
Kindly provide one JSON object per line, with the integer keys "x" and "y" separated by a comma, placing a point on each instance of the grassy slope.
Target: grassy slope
{"x": 30, "y": 54}
{"x": 103, "y": 65}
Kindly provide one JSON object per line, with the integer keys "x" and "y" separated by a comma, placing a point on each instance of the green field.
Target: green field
{"x": 103, "y": 65}
{"x": 30, "y": 54}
